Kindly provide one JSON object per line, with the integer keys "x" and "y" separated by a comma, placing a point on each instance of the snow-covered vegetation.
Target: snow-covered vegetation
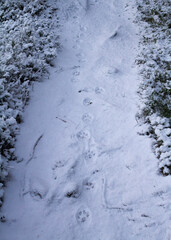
{"x": 155, "y": 89}
{"x": 28, "y": 45}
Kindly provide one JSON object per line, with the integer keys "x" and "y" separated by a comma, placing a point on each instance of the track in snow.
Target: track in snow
{"x": 86, "y": 173}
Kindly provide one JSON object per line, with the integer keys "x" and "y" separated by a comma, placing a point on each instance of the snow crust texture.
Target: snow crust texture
{"x": 86, "y": 174}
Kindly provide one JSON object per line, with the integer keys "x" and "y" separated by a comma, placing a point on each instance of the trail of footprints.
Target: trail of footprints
{"x": 73, "y": 191}
{"x": 88, "y": 156}
{"x": 83, "y": 214}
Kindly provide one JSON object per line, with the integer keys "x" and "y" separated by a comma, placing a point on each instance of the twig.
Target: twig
{"x": 63, "y": 120}
{"x": 66, "y": 121}
{"x": 34, "y": 148}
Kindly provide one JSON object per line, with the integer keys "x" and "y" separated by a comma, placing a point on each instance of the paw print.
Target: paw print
{"x": 72, "y": 191}
{"x": 99, "y": 90}
{"x": 36, "y": 195}
{"x": 76, "y": 73}
{"x": 83, "y": 134}
{"x": 88, "y": 185}
{"x": 2, "y": 219}
{"x": 87, "y": 102}
{"x": 82, "y": 215}
{"x": 89, "y": 155}
{"x": 58, "y": 164}
{"x": 87, "y": 117}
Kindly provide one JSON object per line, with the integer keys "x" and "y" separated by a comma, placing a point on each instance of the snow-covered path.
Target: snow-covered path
{"x": 86, "y": 173}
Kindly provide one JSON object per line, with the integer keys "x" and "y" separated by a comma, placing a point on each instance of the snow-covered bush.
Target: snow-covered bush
{"x": 154, "y": 17}
{"x": 3, "y": 175}
{"x": 28, "y": 45}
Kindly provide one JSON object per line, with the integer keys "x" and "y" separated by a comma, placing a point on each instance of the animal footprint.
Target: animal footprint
{"x": 74, "y": 80}
{"x": 82, "y": 215}
{"x": 87, "y": 101}
{"x": 89, "y": 155}
{"x": 80, "y": 55}
{"x": 76, "y": 73}
{"x": 76, "y": 67}
{"x": 76, "y": 46}
{"x": 36, "y": 195}
{"x": 88, "y": 185}
{"x": 83, "y": 134}
{"x": 99, "y": 90}
{"x": 72, "y": 191}
{"x": 37, "y": 189}
{"x": 150, "y": 225}
{"x": 113, "y": 71}
{"x": 87, "y": 117}
{"x": 58, "y": 164}
{"x": 83, "y": 29}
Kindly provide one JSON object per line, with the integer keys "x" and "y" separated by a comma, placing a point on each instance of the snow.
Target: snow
{"x": 86, "y": 173}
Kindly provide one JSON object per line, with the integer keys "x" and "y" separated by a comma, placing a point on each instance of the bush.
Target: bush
{"x": 28, "y": 45}
{"x": 155, "y": 90}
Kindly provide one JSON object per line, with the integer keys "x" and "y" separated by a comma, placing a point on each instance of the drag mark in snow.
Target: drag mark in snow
{"x": 36, "y": 188}
{"x": 110, "y": 151}
{"x": 106, "y": 205}
{"x": 53, "y": 201}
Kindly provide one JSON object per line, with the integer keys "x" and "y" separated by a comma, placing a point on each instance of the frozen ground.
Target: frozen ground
{"x": 86, "y": 174}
